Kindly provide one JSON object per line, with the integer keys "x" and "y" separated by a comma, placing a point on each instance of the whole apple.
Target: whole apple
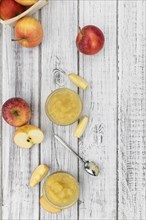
{"x": 26, "y": 2}
{"x": 16, "y": 112}
{"x": 28, "y": 32}
{"x": 90, "y": 40}
{"x": 10, "y": 9}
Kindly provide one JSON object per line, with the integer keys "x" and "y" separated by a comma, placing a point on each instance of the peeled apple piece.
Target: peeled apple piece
{"x": 26, "y": 2}
{"x": 38, "y": 174}
{"x": 47, "y": 207}
{"x": 78, "y": 81}
{"x": 78, "y": 132}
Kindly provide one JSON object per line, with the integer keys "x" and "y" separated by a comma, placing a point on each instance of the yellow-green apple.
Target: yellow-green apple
{"x": 28, "y": 32}
{"x": 26, "y": 2}
{"x": 16, "y": 112}
{"x": 90, "y": 40}
{"x": 10, "y": 9}
{"x": 28, "y": 135}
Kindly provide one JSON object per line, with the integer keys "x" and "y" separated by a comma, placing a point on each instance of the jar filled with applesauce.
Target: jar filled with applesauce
{"x": 61, "y": 190}
{"x": 63, "y": 106}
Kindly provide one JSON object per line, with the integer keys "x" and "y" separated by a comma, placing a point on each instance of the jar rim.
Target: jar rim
{"x": 47, "y": 101}
{"x": 59, "y": 206}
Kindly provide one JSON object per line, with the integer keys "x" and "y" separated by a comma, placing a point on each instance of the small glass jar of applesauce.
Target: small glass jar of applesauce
{"x": 63, "y": 106}
{"x": 61, "y": 190}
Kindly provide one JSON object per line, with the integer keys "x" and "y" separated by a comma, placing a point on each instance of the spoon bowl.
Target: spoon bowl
{"x": 89, "y": 166}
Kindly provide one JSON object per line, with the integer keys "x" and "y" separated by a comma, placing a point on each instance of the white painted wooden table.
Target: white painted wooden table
{"x": 115, "y": 102}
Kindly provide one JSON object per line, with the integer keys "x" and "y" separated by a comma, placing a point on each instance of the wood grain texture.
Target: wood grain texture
{"x": 1, "y": 200}
{"x": 132, "y": 110}
{"x": 100, "y": 103}
{"x": 115, "y": 103}
{"x": 20, "y": 78}
{"x": 59, "y": 57}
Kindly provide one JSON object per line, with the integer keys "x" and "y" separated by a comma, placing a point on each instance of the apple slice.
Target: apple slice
{"x": 28, "y": 135}
{"x": 26, "y": 2}
{"x": 81, "y": 126}
{"x": 46, "y": 206}
{"x": 78, "y": 81}
{"x": 38, "y": 174}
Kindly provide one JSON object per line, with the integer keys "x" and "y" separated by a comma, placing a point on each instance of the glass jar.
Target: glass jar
{"x": 63, "y": 106}
{"x": 61, "y": 190}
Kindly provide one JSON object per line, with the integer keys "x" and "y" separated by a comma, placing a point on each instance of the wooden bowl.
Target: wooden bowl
{"x": 29, "y": 11}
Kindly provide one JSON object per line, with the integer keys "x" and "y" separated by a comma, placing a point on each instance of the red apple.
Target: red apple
{"x": 28, "y": 32}
{"x": 26, "y": 2}
{"x": 10, "y": 9}
{"x": 90, "y": 40}
{"x": 16, "y": 112}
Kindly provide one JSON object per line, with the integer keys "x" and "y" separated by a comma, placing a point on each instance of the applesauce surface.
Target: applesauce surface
{"x": 61, "y": 189}
{"x": 63, "y": 106}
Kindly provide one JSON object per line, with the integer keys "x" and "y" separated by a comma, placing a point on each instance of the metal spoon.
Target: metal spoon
{"x": 89, "y": 166}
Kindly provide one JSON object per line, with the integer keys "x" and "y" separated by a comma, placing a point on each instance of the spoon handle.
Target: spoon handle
{"x": 68, "y": 147}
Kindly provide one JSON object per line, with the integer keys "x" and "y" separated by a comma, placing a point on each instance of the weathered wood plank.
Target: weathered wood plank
{"x": 20, "y": 67}
{"x": 59, "y": 57}
{"x": 98, "y": 194}
{"x": 23, "y": 69}
{"x": 132, "y": 110}
{"x": 0, "y": 123}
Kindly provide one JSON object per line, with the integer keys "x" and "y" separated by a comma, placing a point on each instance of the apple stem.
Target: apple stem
{"x": 16, "y": 113}
{"x": 15, "y": 39}
{"x": 80, "y": 30}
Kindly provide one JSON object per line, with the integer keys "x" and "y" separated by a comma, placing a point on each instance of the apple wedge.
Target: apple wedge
{"x": 78, "y": 81}
{"x": 38, "y": 174}
{"x": 26, "y": 2}
{"x": 78, "y": 132}
{"x": 47, "y": 207}
{"x": 28, "y": 135}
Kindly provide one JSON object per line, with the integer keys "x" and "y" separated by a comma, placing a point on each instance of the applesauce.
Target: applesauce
{"x": 61, "y": 190}
{"x": 63, "y": 106}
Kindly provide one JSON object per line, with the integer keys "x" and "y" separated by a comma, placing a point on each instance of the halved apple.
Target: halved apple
{"x": 38, "y": 174}
{"x": 46, "y": 206}
{"x": 81, "y": 127}
{"x": 78, "y": 81}
{"x": 28, "y": 135}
